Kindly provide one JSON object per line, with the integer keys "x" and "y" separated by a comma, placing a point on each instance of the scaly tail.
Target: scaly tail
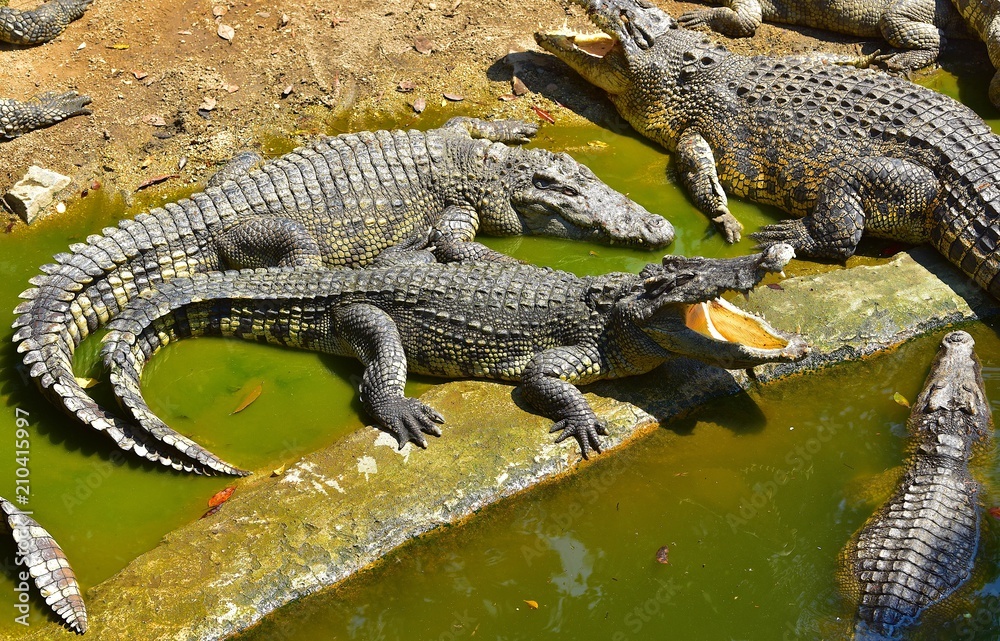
{"x": 48, "y": 567}
{"x": 84, "y": 289}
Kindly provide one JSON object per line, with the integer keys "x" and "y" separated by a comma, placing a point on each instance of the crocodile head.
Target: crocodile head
{"x": 680, "y": 307}
{"x": 954, "y": 387}
{"x": 639, "y": 58}
{"x": 554, "y": 195}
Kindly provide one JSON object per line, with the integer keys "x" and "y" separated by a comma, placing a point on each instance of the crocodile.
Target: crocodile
{"x": 983, "y": 17}
{"x": 41, "y": 24}
{"x": 337, "y": 202}
{"x": 44, "y": 110}
{"x": 849, "y": 149}
{"x": 547, "y": 330}
{"x": 920, "y": 546}
{"x": 40, "y": 559}
{"x": 918, "y": 26}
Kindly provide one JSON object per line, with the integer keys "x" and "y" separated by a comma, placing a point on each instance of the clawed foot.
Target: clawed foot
{"x": 792, "y": 232}
{"x": 408, "y": 420}
{"x": 697, "y": 18}
{"x": 585, "y": 433}
{"x": 70, "y": 103}
{"x": 728, "y": 226}
{"x": 521, "y": 131}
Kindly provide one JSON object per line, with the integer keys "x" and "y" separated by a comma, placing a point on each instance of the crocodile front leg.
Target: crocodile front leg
{"x": 505, "y": 131}
{"x": 17, "y": 118}
{"x": 372, "y": 335}
{"x": 908, "y": 24}
{"x": 265, "y": 241}
{"x": 892, "y": 198}
{"x": 454, "y": 236}
{"x": 738, "y": 19}
{"x": 549, "y": 382}
{"x": 696, "y": 165}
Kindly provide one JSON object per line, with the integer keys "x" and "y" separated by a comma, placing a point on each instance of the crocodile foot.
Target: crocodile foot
{"x": 806, "y": 242}
{"x": 585, "y": 432}
{"x": 408, "y": 420}
{"x": 728, "y": 226}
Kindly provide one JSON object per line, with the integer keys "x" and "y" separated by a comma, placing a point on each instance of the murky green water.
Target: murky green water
{"x": 754, "y": 496}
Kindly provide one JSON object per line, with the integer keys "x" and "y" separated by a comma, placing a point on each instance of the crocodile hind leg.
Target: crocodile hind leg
{"x": 910, "y": 24}
{"x": 374, "y": 339}
{"x": 269, "y": 241}
{"x": 506, "y": 131}
{"x": 549, "y": 383}
{"x": 891, "y": 198}
{"x": 738, "y": 19}
{"x": 696, "y": 165}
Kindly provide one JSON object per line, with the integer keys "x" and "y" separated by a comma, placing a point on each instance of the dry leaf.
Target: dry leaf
{"x": 406, "y": 86}
{"x": 775, "y": 286}
{"x": 185, "y": 32}
{"x": 518, "y": 87}
{"x": 249, "y": 398}
{"x": 226, "y": 32}
{"x": 899, "y": 398}
{"x": 507, "y": 97}
{"x": 208, "y": 104}
{"x": 663, "y": 555}
{"x": 218, "y": 11}
{"x": 284, "y": 19}
{"x": 212, "y": 511}
{"x": 154, "y": 120}
{"x": 139, "y": 75}
{"x": 221, "y": 496}
{"x": 532, "y": 604}
{"x": 454, "y": 97}
{"x": 279, "y": 471}
{"x": 544, "y": 115}
{"x": 155, "y": 180}
{"x": 121, "y": 46}
{"x": 419, "y": 105}
{"x": 995, "y": 512}
{"x": 423, "y": 44}
{"x": 86, "y": 383}
{"x": 83, "y": 45}
{"x": 231, "y": 88}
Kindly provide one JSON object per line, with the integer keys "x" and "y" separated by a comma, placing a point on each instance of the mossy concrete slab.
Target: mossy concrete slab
{"x": 342, "y": 508}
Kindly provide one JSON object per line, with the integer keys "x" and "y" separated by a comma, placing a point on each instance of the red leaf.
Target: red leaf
{"x": 507, "y": 97}
{"x": 663, "y": 555}
{"x": 156, "y": 180}
{"x": 775, "y": 286}
{"x": 544, "y": 115}
{"x": 995, "y": 512}
{"x": 221, "y": 496}
{"x": 454, "y": 97}
{"x": 423, "y": 44}
{"x": 212, "y": 511}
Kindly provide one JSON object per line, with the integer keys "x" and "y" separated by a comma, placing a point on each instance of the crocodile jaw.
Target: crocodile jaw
{"x": 597, "y": 57}
{"x": 722, "y": 321}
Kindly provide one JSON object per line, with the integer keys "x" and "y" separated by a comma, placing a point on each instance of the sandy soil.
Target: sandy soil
{"x": 291, "y": 68}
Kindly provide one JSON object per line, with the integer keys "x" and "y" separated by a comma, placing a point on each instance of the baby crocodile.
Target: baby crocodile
{"x": 849, "y": 149}
{"x": 548, "y": 330}
{"x": 338, "y": 202}
{"x": 920, "y": 546}
{"x": 40, "y": 24}
{"x": 45, "y": 564}
{"x": 44, "y": 110}
{"x": 920, "y": 26}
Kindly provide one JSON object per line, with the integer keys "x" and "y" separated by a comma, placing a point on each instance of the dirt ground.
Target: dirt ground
{"x": 166, "y": 86}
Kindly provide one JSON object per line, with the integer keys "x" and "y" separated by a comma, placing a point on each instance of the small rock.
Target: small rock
{"x": 419, "y": 105}
{"x": 35, "y": 192}
{"x": 218, "y": 11}
{"x": 518, "y": 87}
{"x": 287, "y": 91}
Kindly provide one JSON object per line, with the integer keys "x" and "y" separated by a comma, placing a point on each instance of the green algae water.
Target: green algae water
{"x": 753, "y": 497}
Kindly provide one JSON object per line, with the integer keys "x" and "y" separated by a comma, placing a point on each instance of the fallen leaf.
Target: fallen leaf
{"x": 208, "y": 104}
{"x": 221, "y": 496}
{"x": 593, "y": 253}
{"x": 182, "y": 162}
{"x": 419, "y": 105}
{"x": 212, "y": 511}
{"x": 336, "y": 21}
{"x": 279, "y": 471}
{"x": 86, "y": 383}
{"x": 663, "y": 555}
{"x": 121, "y": 46}
{"x": 139, "y": 75}
{"x": 775, "y": 286}
{"x": 405, "y": 86}
{"x": 248, "y": 399}
{"x": 185, "y": 32}
{"x": 231, "y": 88}
{"x": 454, "y": 97}
{"x": 155, "y": 180}
{"x": 226, "y": 32}
{"x": 532, "y": 604}
{"x": 899, "y": 398}
{"x": 995, "y": 512}
{"x": 83, "y": 45}
{"x": 518, "y": 87}
{"x": 154, "y": 120}
{"x": 597, "y": 144}
{"x": 544, "y": 115}
{"x": 218, "y": 11}
{"x": 423, "y": 44}
{"x": 507, "y": 97}
{"x": 95, "y": 184}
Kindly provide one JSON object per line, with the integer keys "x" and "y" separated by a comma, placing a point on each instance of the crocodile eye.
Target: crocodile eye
{"x": 542, "y": 183}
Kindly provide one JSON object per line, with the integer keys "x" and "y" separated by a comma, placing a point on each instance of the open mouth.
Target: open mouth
{"x": 720, "y": 320}
{"x": 596, "y": 45}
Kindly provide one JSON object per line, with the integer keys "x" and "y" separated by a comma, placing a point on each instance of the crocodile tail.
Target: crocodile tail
{"x": 85, "y": 288}
{"x": 48, "y": 566}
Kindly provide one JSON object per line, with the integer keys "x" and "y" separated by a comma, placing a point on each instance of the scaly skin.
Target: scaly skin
{"x": 850, "y": 149}
{"x": 43, "y": 560}
{"x": 40, "y": 24}
{"x": 920, "y": 26}
{"x": 547, "y": 330}
{"x": 338, "y": 202}
{"x": 44, "y": 110}
{"x": 919, "y": 547}
{"x": 983, "y": 17}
